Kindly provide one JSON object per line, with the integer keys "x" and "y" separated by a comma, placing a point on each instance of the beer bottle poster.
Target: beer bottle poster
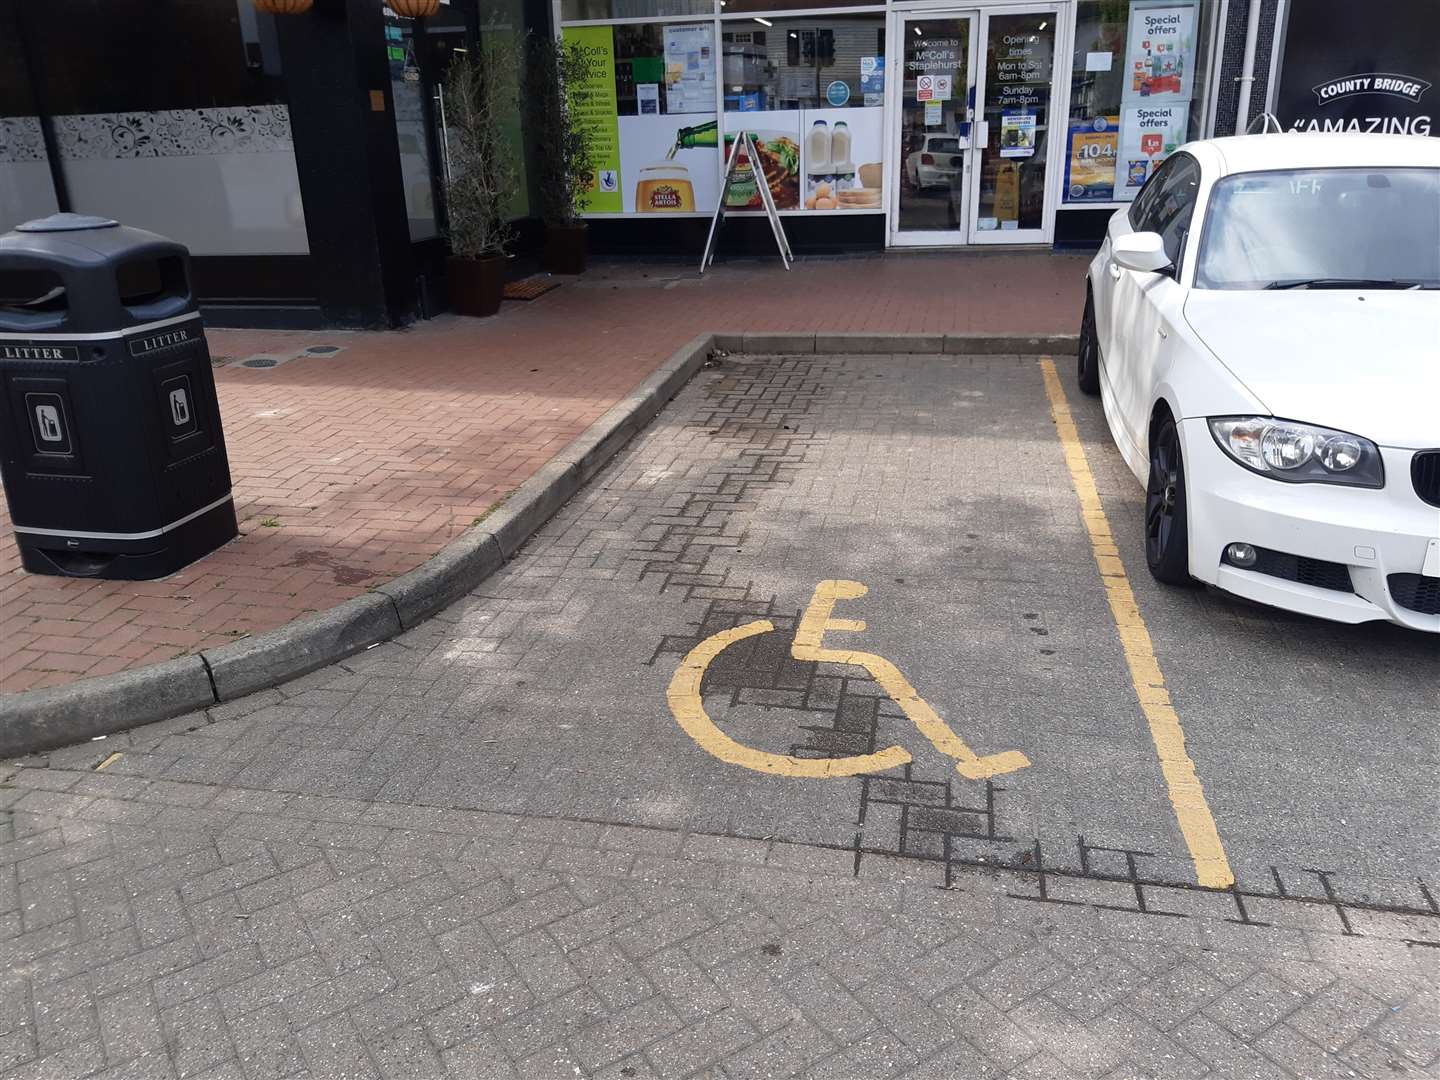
{"x": 670, "y": 163}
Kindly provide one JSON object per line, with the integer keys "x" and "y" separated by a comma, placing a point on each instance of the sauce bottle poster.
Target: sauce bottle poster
{"x": 655, "y": 181}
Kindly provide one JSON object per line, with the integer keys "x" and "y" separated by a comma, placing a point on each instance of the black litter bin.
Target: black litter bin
{"x": 113, "y": 459}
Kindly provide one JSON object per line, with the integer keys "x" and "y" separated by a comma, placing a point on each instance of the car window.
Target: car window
{"x": 1142, "y": 208}
{"x": 1166, "y": 203}
{"x": 942, "y": 146}
{"x": 1175, "y": 205}
{"x": 1322, "y": 228}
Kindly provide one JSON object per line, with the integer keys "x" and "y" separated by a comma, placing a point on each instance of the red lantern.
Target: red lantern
{"x": 284, "y": 7}
{"x": 414, "y": 9}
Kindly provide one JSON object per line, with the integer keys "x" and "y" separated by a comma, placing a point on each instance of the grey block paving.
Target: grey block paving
{"x": 484, "y": 849}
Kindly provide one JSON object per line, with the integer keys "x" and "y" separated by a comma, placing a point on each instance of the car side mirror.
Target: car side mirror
{"x": 1142, "y": 251}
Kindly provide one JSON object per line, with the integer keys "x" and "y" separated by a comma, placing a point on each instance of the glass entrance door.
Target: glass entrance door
{"x": 1012, "y": 191}
{"x": 931, "y": 169}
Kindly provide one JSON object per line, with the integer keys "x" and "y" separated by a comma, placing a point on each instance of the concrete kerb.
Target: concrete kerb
{"x": 42, "y": 719}
{"x": 790, "y": 344}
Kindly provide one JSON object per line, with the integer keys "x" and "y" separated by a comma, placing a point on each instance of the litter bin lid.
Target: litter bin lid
{"x": 66, "y": 223}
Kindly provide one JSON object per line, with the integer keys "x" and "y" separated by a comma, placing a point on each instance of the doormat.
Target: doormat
{"x": 531, "y": 287}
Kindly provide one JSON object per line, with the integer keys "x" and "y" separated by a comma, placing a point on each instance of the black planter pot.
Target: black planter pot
{"x": 476, "y": 285}
{"x": 565, "y": 248}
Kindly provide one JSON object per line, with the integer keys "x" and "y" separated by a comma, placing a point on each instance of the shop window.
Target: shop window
{"x": 1137, "y": 90}
{"x": 594, "y": 10}
{"x": 26, "y": 188}
{"x": 815, "y": 62}
{"x": 818, "y": 83}
{"x": 184, "y": 98}
{"x": 736, "y": 7}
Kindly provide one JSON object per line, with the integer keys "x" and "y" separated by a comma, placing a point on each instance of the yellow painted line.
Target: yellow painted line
{"x": 1187, "y": 796}
{"x": 109, "y": 761}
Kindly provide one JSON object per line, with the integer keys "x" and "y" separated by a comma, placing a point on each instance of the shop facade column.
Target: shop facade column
{"x": 347, "y": 156}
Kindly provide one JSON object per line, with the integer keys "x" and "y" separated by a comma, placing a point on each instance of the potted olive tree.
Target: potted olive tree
{"x": 563, "y": 160}
{"x": 482, "y": 175}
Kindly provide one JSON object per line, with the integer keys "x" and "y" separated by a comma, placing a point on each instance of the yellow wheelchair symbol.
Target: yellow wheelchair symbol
{"x": 685, "y": 703}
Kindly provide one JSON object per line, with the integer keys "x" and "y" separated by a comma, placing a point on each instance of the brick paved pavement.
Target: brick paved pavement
{"x": 354, "y": 468}
{"x": 485, "y": 849}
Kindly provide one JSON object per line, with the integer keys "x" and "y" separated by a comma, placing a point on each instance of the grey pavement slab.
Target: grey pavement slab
{"x": 486, "y": 848}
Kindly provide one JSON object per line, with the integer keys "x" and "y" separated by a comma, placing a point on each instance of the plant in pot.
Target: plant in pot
{"x": 564, "y": 163}
{"x": 479, "y": 93}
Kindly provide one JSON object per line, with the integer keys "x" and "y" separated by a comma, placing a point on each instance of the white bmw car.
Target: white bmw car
{"x": 1263, "y": 327}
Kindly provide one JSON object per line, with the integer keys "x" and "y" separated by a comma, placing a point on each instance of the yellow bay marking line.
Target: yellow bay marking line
{"x": 689, "y": 710}
{"x": 1212, "y": 869}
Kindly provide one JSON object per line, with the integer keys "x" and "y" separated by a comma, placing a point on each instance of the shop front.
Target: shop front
{"x": 909, "y": 124}
{"x": 303, "y": 158}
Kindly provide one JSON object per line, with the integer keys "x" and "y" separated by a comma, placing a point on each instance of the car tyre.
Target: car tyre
{"x": 1088, "y": 367}
{"x": 1167, "y": 539}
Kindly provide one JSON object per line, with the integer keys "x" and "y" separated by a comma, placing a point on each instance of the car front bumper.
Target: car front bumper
{"x": 1372, "y": 532}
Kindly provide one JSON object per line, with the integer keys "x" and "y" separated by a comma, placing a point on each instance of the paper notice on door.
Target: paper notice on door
{"x": 647, "y": 98}
{"x": 933, "y": 115}
{"x": 1099, "y": 61}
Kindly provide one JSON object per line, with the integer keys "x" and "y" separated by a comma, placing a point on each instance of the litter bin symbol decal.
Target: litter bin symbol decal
{"x": 47, "y": 419}
{"x": 47, "y": 423}
{"x": 178, "y": 402}
{"x": 179, "y": 407}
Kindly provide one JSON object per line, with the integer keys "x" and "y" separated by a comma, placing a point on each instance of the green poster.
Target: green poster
{"x": 593, "y": 103}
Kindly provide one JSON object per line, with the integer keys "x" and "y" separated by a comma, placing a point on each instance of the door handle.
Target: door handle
{"x": 1114, "y": 271}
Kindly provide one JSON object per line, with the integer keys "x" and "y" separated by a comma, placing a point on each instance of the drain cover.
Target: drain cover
{"x": 259, "y": 361}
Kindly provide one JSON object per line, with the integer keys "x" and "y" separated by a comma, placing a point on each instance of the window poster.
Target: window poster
{"x": 777, "y": 135}
{"x": 1148, "y": 135}
{"x": 872, "y": 79}
{"x": 689, "y": 68}
{"x": 1017, "y": 134}
{"x": 1160, "y": 52}
{"x": 594, "y": 102}
{"x": 669, "y": 163}
{"x": 1090, "y": 164}
{"x": 812, "y": 159}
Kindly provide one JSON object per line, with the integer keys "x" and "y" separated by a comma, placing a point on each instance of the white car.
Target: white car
{"x": 1263, "y": 327}
{"x": 937, "y": 163}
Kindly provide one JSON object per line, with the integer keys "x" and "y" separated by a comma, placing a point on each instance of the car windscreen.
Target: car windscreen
{"x": 1319, "y": 228}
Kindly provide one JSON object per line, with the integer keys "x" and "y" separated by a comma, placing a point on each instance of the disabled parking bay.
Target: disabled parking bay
{"x": 837, "y": 642}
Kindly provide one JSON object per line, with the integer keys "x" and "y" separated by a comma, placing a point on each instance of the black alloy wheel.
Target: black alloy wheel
{"x": 1167, "y": 541}
{"x": 1089, "y": 349}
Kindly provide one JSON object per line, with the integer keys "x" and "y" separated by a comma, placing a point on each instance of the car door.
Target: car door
{"x": 1105, "y": 273}
{"x": 1146, "y": 306}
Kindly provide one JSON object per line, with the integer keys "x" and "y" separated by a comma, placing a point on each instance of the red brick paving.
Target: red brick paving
{"x": 369, "y": 461}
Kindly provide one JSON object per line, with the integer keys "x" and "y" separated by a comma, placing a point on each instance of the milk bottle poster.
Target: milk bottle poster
{"x": 1148, "y": 135}
{"x": 1160, "y": 52}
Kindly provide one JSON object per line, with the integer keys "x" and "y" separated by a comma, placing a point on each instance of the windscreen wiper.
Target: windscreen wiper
{"x": 1347, "y": 283}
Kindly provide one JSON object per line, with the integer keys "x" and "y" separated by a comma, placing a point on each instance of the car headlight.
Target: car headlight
{"x": 1299, "y": 453}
